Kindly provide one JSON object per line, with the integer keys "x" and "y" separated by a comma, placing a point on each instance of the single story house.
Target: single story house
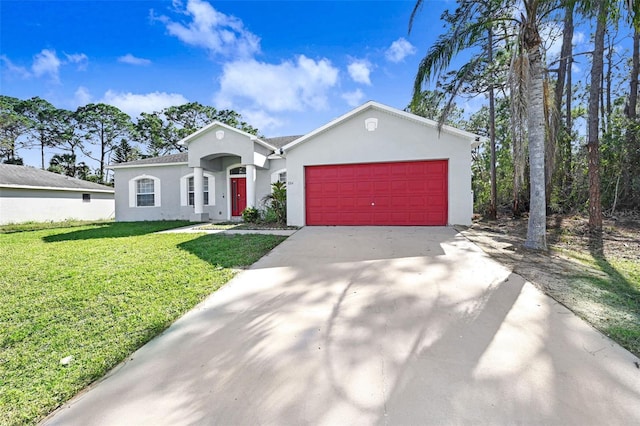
{"x": 375, "y": 165}
{"x": 28, "y": 194}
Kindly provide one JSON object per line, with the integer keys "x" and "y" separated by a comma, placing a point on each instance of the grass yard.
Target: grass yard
{"x": 614, "y": 296}
{"x": 97, "y": 293}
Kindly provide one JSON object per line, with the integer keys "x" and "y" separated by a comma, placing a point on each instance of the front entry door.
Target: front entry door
{"x": 238, "y": 196}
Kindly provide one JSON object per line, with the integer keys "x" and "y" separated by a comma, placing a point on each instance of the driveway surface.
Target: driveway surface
{"x": 371, "y": 325}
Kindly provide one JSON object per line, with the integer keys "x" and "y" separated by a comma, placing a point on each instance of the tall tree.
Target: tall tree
{"x": 103, "y": 126}
{"x": 161, "y": 131}
{"x": 531, "y": 73}
{"x": 595, "y": 207}
{"x": 45, "y": 128}
{"x": 13, "y": 125}
{"x": 431, "y": 104}
{"x": 64, "y": 164}
{"x": 468, "y": 25}
{"x": 632, "y": 149}
{"x": 155, "y": 133}
{"x": 563, "y": 128}
{"x": 125, "y": 152}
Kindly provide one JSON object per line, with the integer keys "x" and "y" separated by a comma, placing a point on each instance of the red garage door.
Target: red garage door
{"x": 405, "y": 193}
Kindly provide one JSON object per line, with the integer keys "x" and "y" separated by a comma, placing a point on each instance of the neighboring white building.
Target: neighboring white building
{"x": 28, "y": 194}
{"x": 375, "y": 165}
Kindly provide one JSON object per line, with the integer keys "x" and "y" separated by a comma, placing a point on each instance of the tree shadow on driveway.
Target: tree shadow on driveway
{"x": 396, "y": 338}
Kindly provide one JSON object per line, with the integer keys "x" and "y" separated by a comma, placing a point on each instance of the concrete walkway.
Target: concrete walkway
{"x": 197, "y": 229}
{"x": 395, "y": 326}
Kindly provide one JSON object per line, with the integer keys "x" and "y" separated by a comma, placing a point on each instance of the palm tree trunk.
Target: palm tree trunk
{"x": 493, "y": 209}
{"x": 564, "y": 76}
{"x": 633, "y": 152}
{"x": 593, "y": 148}
{"x": 537, "y": 227}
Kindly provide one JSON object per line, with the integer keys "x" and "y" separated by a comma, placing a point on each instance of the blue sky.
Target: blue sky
{"x": 287, "y": 66}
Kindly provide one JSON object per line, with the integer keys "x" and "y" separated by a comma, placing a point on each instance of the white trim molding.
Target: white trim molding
{"x": 184, "y": 193}
{"x": 157, "y": 190}
{"x": 275, "y": 176}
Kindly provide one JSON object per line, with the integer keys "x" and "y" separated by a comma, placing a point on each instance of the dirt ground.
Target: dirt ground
{"x": 554, "y": 272}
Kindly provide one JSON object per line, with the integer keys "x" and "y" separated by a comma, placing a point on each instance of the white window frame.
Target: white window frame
{"x": 275, "y": 176}
{"x": 133, "y": 190}
{"x": 184, "y": 189}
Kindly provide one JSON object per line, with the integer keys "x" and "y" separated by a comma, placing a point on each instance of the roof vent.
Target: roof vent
{"x": 371, "y": 124}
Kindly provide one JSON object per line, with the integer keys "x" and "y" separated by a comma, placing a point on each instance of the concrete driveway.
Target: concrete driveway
{"x": 384, "y": 325}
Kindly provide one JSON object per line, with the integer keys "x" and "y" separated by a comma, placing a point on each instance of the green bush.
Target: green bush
{"x": 250, "y": 215}
{"x": 269, "y": 215}
{"x": 276, "y": 203}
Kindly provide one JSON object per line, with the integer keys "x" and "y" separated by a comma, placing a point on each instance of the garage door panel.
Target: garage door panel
{"x": 403, "y": 193}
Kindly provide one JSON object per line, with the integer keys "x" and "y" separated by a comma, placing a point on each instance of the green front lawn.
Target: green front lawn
{"x": 96, "y": 293}
{"x": 615, "y": 292}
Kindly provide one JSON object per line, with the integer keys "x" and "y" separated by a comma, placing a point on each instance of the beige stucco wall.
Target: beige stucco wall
{"x": 39, "y": 205}
{"x": 395, "y": 139}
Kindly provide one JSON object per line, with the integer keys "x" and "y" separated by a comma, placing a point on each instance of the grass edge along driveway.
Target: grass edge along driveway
{"x": 96, "y": 293}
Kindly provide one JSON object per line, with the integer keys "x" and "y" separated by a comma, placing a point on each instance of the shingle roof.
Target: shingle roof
{"x": 165, "y": 159}
{"x": 278, "y": 142}
{"x": 281, "y": 141}
{"x": 23, "y": 176}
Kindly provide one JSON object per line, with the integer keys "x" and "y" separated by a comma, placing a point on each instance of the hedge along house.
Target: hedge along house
{"x": 375, "y": 165}
{"x": 28, "y": 194}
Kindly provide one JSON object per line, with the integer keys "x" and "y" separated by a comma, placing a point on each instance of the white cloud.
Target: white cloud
{"x": 133, "y": 60}
{"x": 82, "y": 96}
{"x": 14, "y": 69}
{"x": 219, "y": 33}
{"x": 134, "y": 103}
{"x": 288, "y": 86}
{"x": 360, "y": 71}
{"x": 578, "y": 38}
{"x": 46, "y": 63}
{"x": 399, "y": 50}
{"x": 353, "y": 98}
{"x": 261, "y": 120}
{"x": 78, "y": 58}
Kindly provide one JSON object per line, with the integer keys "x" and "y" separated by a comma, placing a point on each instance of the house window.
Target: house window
{"x": 145, "y": 193}
{"x": 86, "y": 198}
{"x": 238, "y": 171}
{"x": 191, "y": 191}
{"x": 282, "y": 177}
{"x": 187, "y": 186}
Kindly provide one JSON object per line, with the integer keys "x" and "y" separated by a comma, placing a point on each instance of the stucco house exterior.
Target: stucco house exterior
{"x": 29, "y": 194}
{"x": 374, "y": 165}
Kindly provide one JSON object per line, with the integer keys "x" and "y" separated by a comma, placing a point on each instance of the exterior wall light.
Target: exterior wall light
{"x": 371, "y": 124}
{"x": 219, "y": 134}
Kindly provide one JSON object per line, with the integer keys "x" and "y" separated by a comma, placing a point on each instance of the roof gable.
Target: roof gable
{"x": 473, "y": 138}
{"x": 209, "y": 127}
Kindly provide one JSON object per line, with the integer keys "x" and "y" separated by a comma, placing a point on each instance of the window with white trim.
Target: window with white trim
{"x": 279, "y": 176}
{"x": 187, "y": 187}
{"x": 191, "y": 191}
{"x": 144, "y": 191}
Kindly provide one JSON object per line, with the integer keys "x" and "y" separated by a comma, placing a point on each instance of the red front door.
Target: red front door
{"x": 238, "y": 196}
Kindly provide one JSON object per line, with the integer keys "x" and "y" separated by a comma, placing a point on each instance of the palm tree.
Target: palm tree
{"x": 531, "y": 76}
{"x": 468, "y": 23}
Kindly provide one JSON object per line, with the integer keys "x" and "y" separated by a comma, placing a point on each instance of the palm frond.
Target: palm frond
{"x": 414, "y": 12}
{"x": 444, "y": 49}
{"x": 519, "y": 87}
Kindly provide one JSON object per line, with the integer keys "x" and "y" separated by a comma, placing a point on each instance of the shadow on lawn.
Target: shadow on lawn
{"x": 115, "y": 230}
